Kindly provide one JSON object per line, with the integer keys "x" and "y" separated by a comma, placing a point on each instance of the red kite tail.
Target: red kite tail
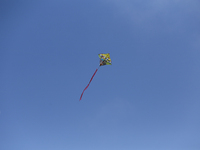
{"x": 88, "y": 83}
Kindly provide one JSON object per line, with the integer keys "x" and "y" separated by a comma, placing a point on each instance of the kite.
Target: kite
{"x": 104, "y": 60}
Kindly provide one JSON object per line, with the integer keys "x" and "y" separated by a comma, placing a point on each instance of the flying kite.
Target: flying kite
{"x": 104, "y": 60}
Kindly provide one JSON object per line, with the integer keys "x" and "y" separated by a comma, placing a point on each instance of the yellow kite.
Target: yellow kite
{"x": 104, "y": 60}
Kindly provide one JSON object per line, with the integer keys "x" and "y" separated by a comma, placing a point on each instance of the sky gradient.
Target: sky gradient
{"x": 148, "y": 99}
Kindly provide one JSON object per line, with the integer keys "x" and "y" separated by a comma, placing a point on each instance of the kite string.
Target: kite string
{"x": 89, "y": 83}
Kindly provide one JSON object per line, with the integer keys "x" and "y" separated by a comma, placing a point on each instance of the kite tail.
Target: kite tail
{"x": 88, "y": 83}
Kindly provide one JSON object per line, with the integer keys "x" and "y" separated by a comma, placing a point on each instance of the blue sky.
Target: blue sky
{"x": 148, "y": 99}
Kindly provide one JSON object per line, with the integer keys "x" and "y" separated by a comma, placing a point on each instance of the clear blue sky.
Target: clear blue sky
{"x": 148, "y": 99}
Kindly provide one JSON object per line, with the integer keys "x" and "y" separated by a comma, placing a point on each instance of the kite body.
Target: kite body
{"x": 104, "y": 60}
